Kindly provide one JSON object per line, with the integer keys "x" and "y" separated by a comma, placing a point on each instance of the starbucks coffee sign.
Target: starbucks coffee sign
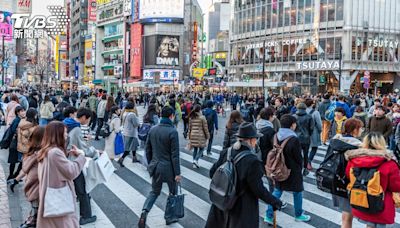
{"x": 318, "y": 65}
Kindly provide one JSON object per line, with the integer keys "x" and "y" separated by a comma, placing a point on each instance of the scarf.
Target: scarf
{"x": 339, "y": 123}
{"x": 165, "y": 120}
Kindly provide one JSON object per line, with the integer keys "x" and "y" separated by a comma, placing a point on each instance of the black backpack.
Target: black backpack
{"x": 105, "y": 130}
{"x": 6, "y": 140}
{"x": 331, "y": 176}
{"x": 223, "y": 187}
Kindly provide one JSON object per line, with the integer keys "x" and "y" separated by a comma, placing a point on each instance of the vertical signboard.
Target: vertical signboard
{"x": 76, "y": 68}
{"x": 127, "y": 8}
{"x": 136, "y": 50}
{"x": 92, "y": 5}
{"x": 6, "y": 25}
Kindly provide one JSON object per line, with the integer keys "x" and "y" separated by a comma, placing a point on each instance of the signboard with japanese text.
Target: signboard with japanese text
{"x": 92, "y": 5}
{"x": 199, "y": 72}
{"x": 165, "y": 74}
{"x": 136, "y": 50}
{"x": 153, "y": 9}
{"x": 127, "y": 7}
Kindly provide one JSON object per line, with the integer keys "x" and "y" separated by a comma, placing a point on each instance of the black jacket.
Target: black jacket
{"x": 245, "y": 213}
{"x": 305, "y": 126}
{"x": 294, "y": 162}
{"x": 266, "y": 142}
{"x": 33, "y": 103}
{"x": 281, "y": 111}
{"x": 162, "y": 151}
{"x": 229, "y": 137}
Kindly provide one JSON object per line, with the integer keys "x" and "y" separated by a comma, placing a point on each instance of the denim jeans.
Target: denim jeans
{"x": 312, "y": 154}
{"x": 85, "y": 209}
{"x": 197, "y": 152}
{"x": 43, "y": 122}
{"x": 156, "y": 186}
{"x": 297, "y": 199}
{"x": 392, "y": 142}
{"x": 210, "y": 141}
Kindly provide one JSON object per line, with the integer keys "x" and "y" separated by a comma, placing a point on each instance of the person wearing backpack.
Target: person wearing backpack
{"x": 337, "y": 124}
{"x": 249, "y": 185}
{"x": 212, "y": 123}
{"x": 115, "y": 127}
{"x": 371, "y": 199}
{"x": 316, "y": 132}
{"x": 101, "y": 110}
{"x": 130, "y": 121}
{"x": 198, "y": 134}
{"x": 326, "y": 124}
{"x": 176, "y": 107}
{"x": 186, "y": 108}
{"x": 264, "y": 126}
{"x": 293, "y": 162}
{"x": 331, "y": 173}
{"x": 305, "y": 126}
{"x": 247, "y": 111}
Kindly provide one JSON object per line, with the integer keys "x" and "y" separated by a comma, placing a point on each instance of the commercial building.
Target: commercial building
{"x": 309, "y": 44}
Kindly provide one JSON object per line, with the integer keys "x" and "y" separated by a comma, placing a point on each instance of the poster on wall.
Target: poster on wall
{"x": 6, "y": 25}
{"x": 162, "y": 50}
{"x": 150, "y": 9}
{"x": 92, "y": 10}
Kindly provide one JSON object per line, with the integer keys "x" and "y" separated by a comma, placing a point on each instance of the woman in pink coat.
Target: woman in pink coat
{"x": 53, "y": 158}
{"x": 10, "y": 111}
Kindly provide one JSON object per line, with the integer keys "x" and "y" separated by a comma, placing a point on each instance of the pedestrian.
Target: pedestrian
{"x": 53, "y": 160}
{"x": 75, "y": 139}
{"x": 247, "y": 111}
{"x": 234, "y": 100}
{"x": 186, "y": 108}
{"x": 59, "y": 113}
{"x": 10, "y": 111}
{"x": 151, "y": 115}
{"x": 232, "y": 127}
{"x": 341, "y": 143}
{"x": 212, "y": 122}
{"x": 30, "y": 172}
{"x": 33, "y": 100}
{"x": 377, "y": 103}
{"x": 305, "y": 126}
{"x": 380, "y": 123}
{"x": 250, "y": 170}
{"x": 93, "y": 102}
{"x": 14, "y": 156}
{"x": 176, "y": 107}
{"x": 198, "y": 134}
{"x": 46, "y": 111}
{"x": 84, "y": 101}
{"x": 24, "y": 130}
{"x": 110, "y": 103}
{"x": 130, "y": 122}
{"x": 101, "y": 109}
{"x": 294, "y": 162}
{"x": 162, "y": 154}
{"x": 337, "y": 124}
{"x": 326, "y": 124}
{"x": 265, "y": 127}
{"x": 373, "y": 156}
{"x": 281, "y": 109}
{"x": 22, "y": 99}
{"x": 115, "y": 127}
{"x": 361, "y": 115}
{"x": 316, "y": 131}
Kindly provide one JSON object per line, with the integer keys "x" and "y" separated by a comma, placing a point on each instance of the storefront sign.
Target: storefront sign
{"x": 286, "y": 42}
{"x": 318, "y": 65}
{"x": 164, "y": 74}
{"x": 383, "y": 43}
{"x": 24, "y": 6}
{"x": 92, "y": 10}
{"x": 220, "y": 55}
{"x": 199, "y": 72}
{"x": 127, "y": 8}
{"x": 109, "y": 12}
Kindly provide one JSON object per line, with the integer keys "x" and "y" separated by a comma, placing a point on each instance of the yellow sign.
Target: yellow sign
{"x": 102, "y": 2}
{"x": 199, "y": 72}
{"x": 220, "y": 55}
{"x": 56, "y": 54}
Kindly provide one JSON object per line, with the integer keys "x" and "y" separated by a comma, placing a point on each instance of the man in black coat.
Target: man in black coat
{"x": 294, "y": 162}
{"x": 250, "y": 171}
{"x": 162, "y": 153}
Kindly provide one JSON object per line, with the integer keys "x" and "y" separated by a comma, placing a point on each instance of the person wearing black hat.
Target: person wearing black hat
{"x": 250, "y": 171}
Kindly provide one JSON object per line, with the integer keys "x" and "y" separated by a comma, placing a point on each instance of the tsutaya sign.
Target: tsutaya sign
{"x": 318, "y": 65}
{"x": 383, "y": 43}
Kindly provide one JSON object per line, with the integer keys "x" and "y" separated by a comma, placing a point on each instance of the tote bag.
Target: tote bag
{"x": 57, "y": 201}
{"x": 175, "y": 208}
{"x": 119, "y": 144}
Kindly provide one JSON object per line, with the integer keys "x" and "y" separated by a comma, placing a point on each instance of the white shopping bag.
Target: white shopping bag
{"x": 99, "y": 171}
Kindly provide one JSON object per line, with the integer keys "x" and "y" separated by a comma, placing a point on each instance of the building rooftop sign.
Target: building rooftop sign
{"x": 318, "y": 65}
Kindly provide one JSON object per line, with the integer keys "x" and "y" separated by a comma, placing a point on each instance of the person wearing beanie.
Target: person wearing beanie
{"x": 304, "y": 129}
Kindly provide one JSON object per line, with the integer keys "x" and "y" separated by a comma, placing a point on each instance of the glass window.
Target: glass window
{"x": 338, "y": 48}
{"x": 331, "y": 10}
{"x": 293, "y": 13}
{"x": 263, "y": 17}
{"x": 308, "y": 12}
{"x": 339, "y": 10}
{"x": 323, "y": 10}
{"x": 252, "y": 19}
{"x": 111, "y": 30}
{"x": 300, "y": 12}
{"x": 330, "y": 47}
{"x": 269, "y": 16}
{"x": 281, "y": 15}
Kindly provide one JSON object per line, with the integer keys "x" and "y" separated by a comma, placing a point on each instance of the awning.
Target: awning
{"x": 111, "y": 38}
{"x": 107, "y": 67}
{"x": 97, "y": 81}
{"x": 115, "y": 51}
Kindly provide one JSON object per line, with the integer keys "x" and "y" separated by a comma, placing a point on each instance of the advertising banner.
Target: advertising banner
{"x": 162, "y": 50}
{"x": 164, "y": 74}
{"x": 6, "y": 25}
{"x": 92, "y": 5}
{"x": 127, "y": 8}
{"x": 136, "y": 50}
{"x": 24, "y": 6}
{"x": 150, "y": 9}
{"x": 199, "y": 72}
{"x": 88, "y": 52}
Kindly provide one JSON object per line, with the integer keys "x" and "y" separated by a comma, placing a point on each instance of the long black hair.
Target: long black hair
{"x": 31, "y": 116}
{"x": 151, "y": 111}
{"x": 195, "y": 112}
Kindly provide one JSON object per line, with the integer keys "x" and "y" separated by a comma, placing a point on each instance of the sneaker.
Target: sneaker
{"x": 303, "y": 218}
{"x": 84, "y": 221}
{"x": 142, "y": 220}
{"x": 269, "y": 221}
{"x": 169, "y": 222}
{"x": 284, "y": 205}
{"x": 209, "y": 153}
{"x": 195, "y": 165}
{"x": 305, "y": 172}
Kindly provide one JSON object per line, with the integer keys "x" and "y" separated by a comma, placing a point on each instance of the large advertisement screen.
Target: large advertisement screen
{"x": 5, "y": 25}
{"x": 162, "y": 50}
{"x": 161, "y": 9}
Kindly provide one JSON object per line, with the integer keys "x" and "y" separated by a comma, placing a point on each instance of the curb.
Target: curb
{"x": 5, "y": 217}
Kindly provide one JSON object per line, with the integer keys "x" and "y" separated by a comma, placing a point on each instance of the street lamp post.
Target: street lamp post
{"x": 3, "y": 61}
{"x": 263, "y": 72}
{"x": 340, "y": 68}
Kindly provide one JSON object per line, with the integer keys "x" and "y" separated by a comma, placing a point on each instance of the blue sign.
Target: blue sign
{"x": 76, "y": 68}
{"x": 162, "y": 20}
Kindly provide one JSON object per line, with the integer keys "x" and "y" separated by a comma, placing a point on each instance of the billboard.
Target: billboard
{"x": 162, "y": 50}
{"x": 127, "y": 8}
{"x": 164, "y": 74}
{"x": 92, "y": 5}
{"x": 153, "y": 9}
{"x": 6, "y": 25}
{"x": 136, "y": 50}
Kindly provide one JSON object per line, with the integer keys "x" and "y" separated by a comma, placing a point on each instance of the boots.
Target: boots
{"x": 121, "y": 162}
{"x": 30, "y": 222}
{"x": 134, "y": 159}
{"x": 142, "y": 220}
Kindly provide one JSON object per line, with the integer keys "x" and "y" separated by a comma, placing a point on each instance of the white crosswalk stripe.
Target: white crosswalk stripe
{"x": 195, "y": 187}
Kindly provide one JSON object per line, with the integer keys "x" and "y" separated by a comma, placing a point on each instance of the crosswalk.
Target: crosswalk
{"x": 118, "y": 203}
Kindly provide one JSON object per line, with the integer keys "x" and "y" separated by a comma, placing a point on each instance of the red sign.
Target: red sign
{"x": 92, "y": 10}
{"x": 212, "y": 71}
{"x": 136, "y": 50}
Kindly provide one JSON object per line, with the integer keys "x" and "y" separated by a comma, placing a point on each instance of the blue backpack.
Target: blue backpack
{"x": 119, "y": 147}
{"x": 330, "y": 112}
{"x": 245, "y": 112}
{"x": 144, "y": 131}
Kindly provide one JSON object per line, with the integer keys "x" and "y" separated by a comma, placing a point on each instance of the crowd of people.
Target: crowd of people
{"x": 46, "y": 132}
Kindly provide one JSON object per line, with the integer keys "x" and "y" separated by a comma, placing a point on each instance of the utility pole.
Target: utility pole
{"x": 340, "y": 69}
{"x": 263, "y": 72}
{"x": 3, "y": 61}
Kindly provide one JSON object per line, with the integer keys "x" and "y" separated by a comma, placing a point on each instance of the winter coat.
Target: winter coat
{"x": 30, "y": 170}
{"x": 334, "y": 125}
{"x": 316, "y": 132}
{"x": 46, "y": 110}
{"x": 198, "y": 131}
{"x": 75, "y": 137}
{"x": 63, "y": 172}
{"x": 380, "y": 124}
{"x": 389, "y": 179}
{"x": 345, "y": 107}
{"x": 10, "y": 112}
{"x": 33, "y": 103}
{"x": 92, "y": 101}
{"x": 281, "y": 111}
{"x": 24, "y": 132}
{"x": 14, "y": 156}
{"x": 101, "y": 109}
{"x": 162, "y": 151}
{"x": 130, "y": 122}
{"x": 84, "y": 103}
{"x": 324, "y": 105}
{"x": 229, "y": 137}
{"x": 305, "y": 126}
{"x": 266, "y": 141}
{"x": 294, "y": 162}
{"x": 362, "y": 116}
{"x": 245, "y": 212}
{"x": 115, "y": 127}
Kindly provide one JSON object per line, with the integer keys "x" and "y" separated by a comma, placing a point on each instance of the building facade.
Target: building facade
{"x": 310, "y": 44}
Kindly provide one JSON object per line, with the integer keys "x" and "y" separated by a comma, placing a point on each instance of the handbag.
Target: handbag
{"x": 57, "y": 201}
{"x": 119, "y": 144}
{"x": 175, "y": 208}
{"x": 396, "y": 199}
